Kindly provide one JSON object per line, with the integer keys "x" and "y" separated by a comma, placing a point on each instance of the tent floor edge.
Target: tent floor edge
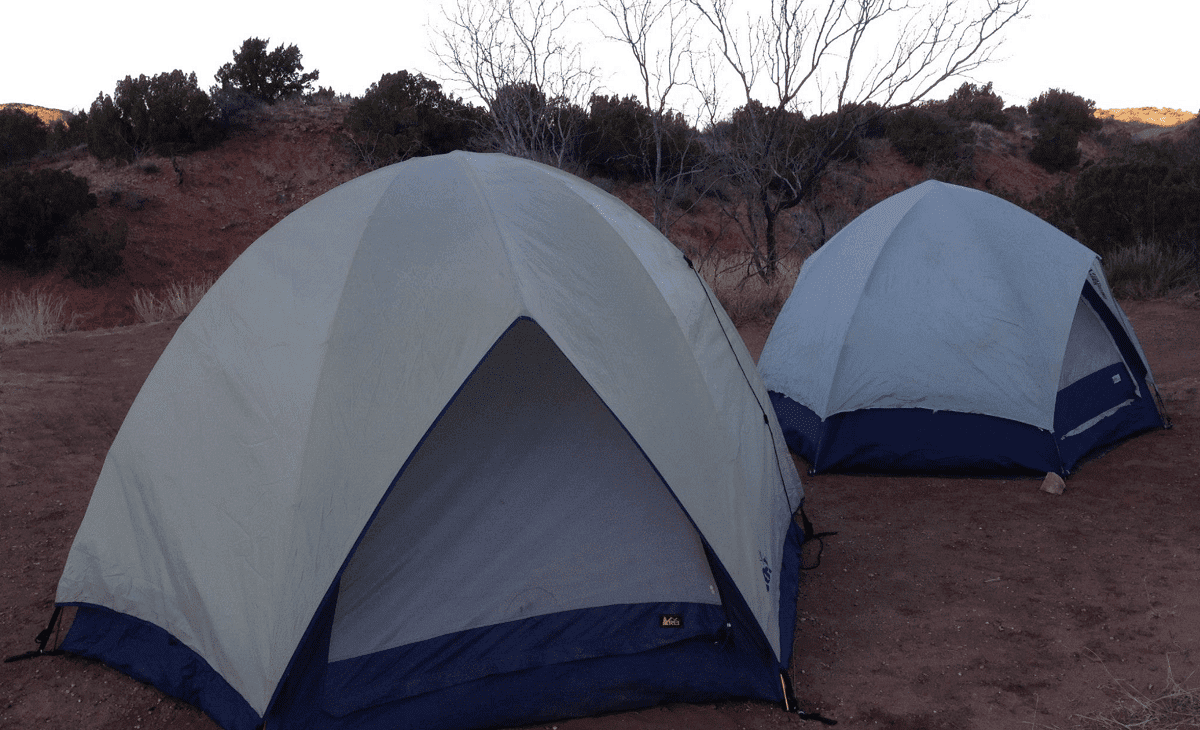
{"x": 554, "y": 692}
{"x": 150, "y": 654}
{"x": 916, "y": 442}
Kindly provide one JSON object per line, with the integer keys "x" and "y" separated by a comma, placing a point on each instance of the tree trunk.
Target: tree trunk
{"x": 770, "y": 215}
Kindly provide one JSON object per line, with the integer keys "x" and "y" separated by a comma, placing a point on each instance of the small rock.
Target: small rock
{"x": 1053, "y": 483}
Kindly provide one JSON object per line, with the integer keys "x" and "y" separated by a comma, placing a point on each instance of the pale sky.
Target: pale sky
{"x": 1125, "y": 53}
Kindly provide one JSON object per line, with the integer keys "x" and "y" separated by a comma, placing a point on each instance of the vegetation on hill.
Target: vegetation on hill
{"x": 1134, "y": 202}
{"x": 267, "y": 76}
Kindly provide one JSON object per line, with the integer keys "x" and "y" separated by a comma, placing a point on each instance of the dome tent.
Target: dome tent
{"x": 948, "y": 331}
{"x": 462, "y": 442}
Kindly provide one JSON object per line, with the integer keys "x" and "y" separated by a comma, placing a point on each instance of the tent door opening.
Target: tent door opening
{"x": 527, "y": 529}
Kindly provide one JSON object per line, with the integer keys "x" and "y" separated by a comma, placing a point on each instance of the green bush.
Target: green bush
{"x": 618, "y": 140}
{"x": 869, "y": 118}
{"x": 233, "y": 108}
{"x": 1055, "y": 148}
{"x": 266, "y": 76}
{"x": 838, "y": 134}
{"x": 108, "y": 135}
{"x": 1117, "y": 204}
{"x": 1056, "y": 206}
{"x": 1057, "y": 108}
{"x": 92, "y": 253}
{"x": 971, "y": 103}
{"x": 34, "y": 208}
{"x": 22, "y": 135}
{"x": 405, "y": 115}
{"x": 69, "y": 132}
{"x": 1060, "y": 119}
{"x": 167, "y": 114}
{"x": 321, "y": 96}
{"x": 927, "y": 138}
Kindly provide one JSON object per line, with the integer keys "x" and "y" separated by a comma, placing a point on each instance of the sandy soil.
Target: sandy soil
{"x": 940, "y": 603}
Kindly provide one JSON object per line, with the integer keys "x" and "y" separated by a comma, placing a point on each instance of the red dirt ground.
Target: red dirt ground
{"x": 940, "y": 603}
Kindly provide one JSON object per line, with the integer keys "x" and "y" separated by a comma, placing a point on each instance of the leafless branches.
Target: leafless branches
{"x": 658, "y": 34}
{"x": 821, "y": 56}
{"x": 515, "y": 56}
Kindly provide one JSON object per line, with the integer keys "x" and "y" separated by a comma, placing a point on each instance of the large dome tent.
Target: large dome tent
{"x": 948, "y": 331}
{"x": 461, "y": 443}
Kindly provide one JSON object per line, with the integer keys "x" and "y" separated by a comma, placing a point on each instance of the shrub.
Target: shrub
{"x": 321, "y": 96}
{"x": 971, "y": 103}
{"x": 618, "y": 140}
{"x": 405, "y": 115}
{"x": 178, "y": 300}
{"x": 1056, "y": 207}
{"x": 838, "y": 134}
{"x": 869, "y": 118}
{"x": 1060, "y": 118}
{"x": 615, "y": 138}
{"x": 1150, "y": 269}
{"x": 1131, "y": 201}
{"x": 34, "y": 208}
{"x": 926, "y": 138}
{"x": 167, "y": 114}
{"x": 747, "y": 297}
{"x": 92, "y": 253}
{"x": 1057, "y": 108}
{"x": 22, "y": 135}
{"x": 68, "y": 132}
{"x": 108, "y": 135}
{"x": 527, "y": 123}
{"x": 1055, "y": 148}
{"x": 267, "y": 77}
{"x": 233, "y": 108}
{"x": 30, "y": 316}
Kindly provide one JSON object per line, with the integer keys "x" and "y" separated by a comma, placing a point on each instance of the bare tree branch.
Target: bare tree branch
{"x": 514, "y": 55}
{"x": 658, "y": 34}
{"x": 813, "y": 54}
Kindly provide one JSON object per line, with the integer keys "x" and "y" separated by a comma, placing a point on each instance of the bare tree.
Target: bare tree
{"x": 814, "y": 54}
{"x": 514, "y": 55}
{"x": 658, "y": 33}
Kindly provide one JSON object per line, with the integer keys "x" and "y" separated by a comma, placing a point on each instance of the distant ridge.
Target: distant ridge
{"x": 48, "y": 116}
{"x": 1152, "y": 115}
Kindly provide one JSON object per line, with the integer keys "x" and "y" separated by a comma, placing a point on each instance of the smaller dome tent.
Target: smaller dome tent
{"x": 948, "y": 331}
{"x": 462, "y": 443}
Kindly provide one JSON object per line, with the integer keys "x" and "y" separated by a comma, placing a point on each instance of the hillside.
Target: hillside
{"x": 1149, "y": 115}
{"x": 48, "y": 116}
{"x": 188, "y": 219}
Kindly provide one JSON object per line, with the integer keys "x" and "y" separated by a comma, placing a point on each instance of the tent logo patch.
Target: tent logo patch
{"x": 670, "y": 620}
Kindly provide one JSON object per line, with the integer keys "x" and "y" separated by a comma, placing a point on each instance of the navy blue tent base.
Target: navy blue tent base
{"x": 150, "y": 654}
{"x": 946, "y": 443}
{"x": 723, "y": 659}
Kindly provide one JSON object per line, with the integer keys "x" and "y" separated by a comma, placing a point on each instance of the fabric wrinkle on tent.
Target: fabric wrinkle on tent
{"x": 948, "y": 331}
{"x": 463, "y": 442}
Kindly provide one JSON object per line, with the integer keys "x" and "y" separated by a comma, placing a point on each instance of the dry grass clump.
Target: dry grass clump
{"x": 1175, "y": 707}
{"x": 177, "y": 300}
{"x": 1147, "y": 269}
{"x": 746, "y": 296}
{"x": 30, "y": 316}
